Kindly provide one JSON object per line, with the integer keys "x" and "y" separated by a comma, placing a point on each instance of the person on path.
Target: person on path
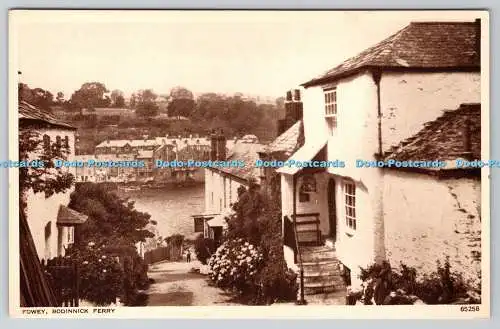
{"x": 188, "y": 256}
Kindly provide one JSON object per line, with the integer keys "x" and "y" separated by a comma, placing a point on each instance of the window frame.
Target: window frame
{"x": 349, "y": 203}
{"x": 331, "y": 107}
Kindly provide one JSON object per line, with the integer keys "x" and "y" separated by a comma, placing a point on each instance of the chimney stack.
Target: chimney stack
{"x": 296, "y": 96}
{"x": 293, "y": 111}
{"x": 221, "y": 146}
{"x": 213, "y": 146}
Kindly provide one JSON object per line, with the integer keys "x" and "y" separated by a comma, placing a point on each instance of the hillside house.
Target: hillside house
{"x": 51, "y": 222}
{"x": 224, "y": 184}
{"x": 399, "y": 99}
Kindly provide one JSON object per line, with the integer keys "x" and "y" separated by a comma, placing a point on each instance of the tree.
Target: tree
{"x": 120, "y": 101}
{"x": 90, "y": 95}
{"x": 133, "y": 101}
{"x": 147, "y": 109}
{"x": 145, "y": 101}
{"x": 145, "y": 96}
{"x": 37, "y": 96}
{"x": 60, "y": 98}
{"x": 181, "y": 102}
{"x": 112, "y": 221}
{"x": 117, "y": 98}
{"x": 47, "y": 180}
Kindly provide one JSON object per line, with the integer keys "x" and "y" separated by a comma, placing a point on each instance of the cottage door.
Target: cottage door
{"x": 332, "y": 209}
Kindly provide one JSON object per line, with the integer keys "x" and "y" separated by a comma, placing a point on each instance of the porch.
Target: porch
{"x": 309, "y": 211}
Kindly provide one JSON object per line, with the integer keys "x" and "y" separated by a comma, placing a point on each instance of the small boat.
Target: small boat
{"x": 130, "y": 188}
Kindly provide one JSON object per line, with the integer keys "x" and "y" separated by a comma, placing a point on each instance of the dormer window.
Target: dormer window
{"x": 331, "y": 108}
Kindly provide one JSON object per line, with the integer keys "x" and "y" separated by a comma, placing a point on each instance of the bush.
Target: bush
{"x": 235, "y": 265}
{"x": 383, "y": 285}
{"x": 101, "y": 276}
{"x": 204, "y": 248}
{"x": 175, "y": 239}
{"x": 257, "y": 222}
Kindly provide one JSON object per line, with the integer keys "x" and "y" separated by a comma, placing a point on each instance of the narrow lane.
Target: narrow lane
{"x": 175, "y": 285}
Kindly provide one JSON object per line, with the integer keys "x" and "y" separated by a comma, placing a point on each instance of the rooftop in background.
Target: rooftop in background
{"x": 69, "y": 217}
{"x": 100, "y": 111}
{"x": 420, "y": 45}
{"x": 178, "y": 141}
{"x": 288, "y": 142}
{"x": 446, "y": 138}
{"x": 249, "y": 154}
{"x": 28, "y": 112}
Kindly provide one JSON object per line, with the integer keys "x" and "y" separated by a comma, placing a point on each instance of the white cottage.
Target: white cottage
{"x": 362, "y": 110}
{"x": 51, "y": 223}
{"x": 223, "y": 183}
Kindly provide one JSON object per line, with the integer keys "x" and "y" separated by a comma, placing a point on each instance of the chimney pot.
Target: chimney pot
{"x": 297, "y": 95}
{"x": 289, "y": 95}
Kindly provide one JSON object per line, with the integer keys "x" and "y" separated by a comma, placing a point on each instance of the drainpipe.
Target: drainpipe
{"x": 376, "y": 78}
{"x": 378, "y": 195}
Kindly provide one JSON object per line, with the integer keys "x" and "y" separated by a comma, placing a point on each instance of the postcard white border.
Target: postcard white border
{"x": 275, "y": 311}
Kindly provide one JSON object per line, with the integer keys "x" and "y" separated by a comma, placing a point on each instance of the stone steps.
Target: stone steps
{"x": 307, "y": 236}
{"x": 321, "y": 271}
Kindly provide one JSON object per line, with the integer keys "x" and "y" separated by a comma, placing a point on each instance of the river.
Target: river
{"x": 171, "y": 207}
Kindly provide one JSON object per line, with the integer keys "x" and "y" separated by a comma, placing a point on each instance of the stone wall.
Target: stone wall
{"x": 427, "y": 219}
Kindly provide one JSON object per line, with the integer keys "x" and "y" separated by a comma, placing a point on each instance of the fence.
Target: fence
{"x": 63, "y": 274}
{"x": 170, "y": 252}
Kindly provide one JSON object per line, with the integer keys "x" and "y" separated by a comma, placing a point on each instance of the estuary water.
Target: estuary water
{"x": 170, "y": 207}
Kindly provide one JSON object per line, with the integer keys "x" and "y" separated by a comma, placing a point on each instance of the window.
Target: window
{"x": 304, "y": 197}
{"x": 66, "y": 142}
{"x": 350, "y": 204}
{"x": 58, "y": 141}
{"x": 71, "y": 235}
{"x": 331, "y": 108}
{"x": 199, "y": 224}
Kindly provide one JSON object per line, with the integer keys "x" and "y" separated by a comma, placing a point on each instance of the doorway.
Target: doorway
{"x": 332, "y": 209}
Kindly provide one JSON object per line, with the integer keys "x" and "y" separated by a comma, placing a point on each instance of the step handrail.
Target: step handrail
{"x": 301, "y": 265}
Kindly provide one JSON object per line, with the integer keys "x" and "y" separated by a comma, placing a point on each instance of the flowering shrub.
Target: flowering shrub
{"x": 235, "y": 264}
{"x": 101, "y": 276}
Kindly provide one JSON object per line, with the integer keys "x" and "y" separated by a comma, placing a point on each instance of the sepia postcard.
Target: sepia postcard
{"x": 249, "y": 164}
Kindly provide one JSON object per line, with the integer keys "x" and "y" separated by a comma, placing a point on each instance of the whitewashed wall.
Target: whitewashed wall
{"x": 419, "y": 231}
{"x": 408, "y": 100}
{"x": 41, "y": 211}
{"x": 214, "y": 183}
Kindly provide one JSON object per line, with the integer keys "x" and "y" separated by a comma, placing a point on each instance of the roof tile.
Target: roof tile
{"x": 443, "y": 139}
{"x": 418, "y": 45}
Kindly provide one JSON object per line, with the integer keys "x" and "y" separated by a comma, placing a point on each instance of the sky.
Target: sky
{"x": 256, "y": 53}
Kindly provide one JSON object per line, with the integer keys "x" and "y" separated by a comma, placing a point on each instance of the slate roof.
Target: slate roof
{"x": 123, "y": 142}
{"x": 157, "y": 141}
{"x": 288, "y": 142}
{"x": 248, "y": 153}
{"x": 28, "y": 112}
{"x": 69, "y": 217}
{"x": 443, "y": 138}
{"x": 436, "y": 45}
